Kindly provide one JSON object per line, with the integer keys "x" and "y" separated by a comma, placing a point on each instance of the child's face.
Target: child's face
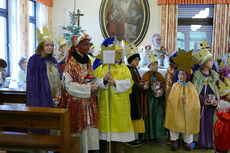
{"x": 62, "y": 49}
{"x": 209, "y": 63}
{"x": 154, "y": 66}
{"x": 48, "y": 47}
{"x": 135, "y": 62}
{"x": 24, "y": 64}
{"x": 181, "y": 76}
{"x": 227, "y": 98}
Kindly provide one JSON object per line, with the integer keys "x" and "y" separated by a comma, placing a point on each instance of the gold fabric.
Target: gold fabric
{"x": 139, "y": 126}
{"x": 174, "y": 119}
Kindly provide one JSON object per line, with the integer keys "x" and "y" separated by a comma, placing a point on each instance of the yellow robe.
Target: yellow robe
{"x": 174, "y": 119}
{"x": 120, "y": 104}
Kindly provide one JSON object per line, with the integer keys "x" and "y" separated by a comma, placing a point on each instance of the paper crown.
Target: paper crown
{"x": 131, "y": 50}
{"x": 41, "y": 37}
{"x": 221, "y": 64}
{"x": 224, "y": 87}
{"x": 205, "y": 45}
{"x": 61, "y": 41}
{"x": 202, "y": 56}
{"x": 152, "y": 58}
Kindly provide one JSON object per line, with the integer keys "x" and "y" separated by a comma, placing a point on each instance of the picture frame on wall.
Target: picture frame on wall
{"x": 124, "y": 19}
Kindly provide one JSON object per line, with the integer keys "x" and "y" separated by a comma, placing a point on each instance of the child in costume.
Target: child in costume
{"x": 78, "y": 94}
{"x": 43, "y": 74}
{"x": 119, "y": 127}
{"x": 154, "y": 118}
{"x": 182, "y": 112}
{"x": 136, "y": 97}
{"x": 62, "y": 44}
{"x": 204, "y": 80}
{"x": 222, "y": 125}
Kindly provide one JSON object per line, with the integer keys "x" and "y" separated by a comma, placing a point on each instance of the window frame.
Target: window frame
{"x": 32, "y": 19}
{"x": 194, "y": 21}
{"x": 4, "y": 13}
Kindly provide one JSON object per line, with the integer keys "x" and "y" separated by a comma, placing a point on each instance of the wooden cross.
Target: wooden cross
{"x": 78, "y": 15}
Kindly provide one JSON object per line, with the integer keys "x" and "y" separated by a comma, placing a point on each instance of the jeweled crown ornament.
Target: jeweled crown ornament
{"x": 61, "y": 41}
{"x": 202, "y": 56}
{"x": 224, "y": 87}
{"x": 152, "y": 58}
{"x": 41, "y": 37}
{"x": 131, "y": 50}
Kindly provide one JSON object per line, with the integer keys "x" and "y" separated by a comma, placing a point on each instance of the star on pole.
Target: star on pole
{"x": 184, "y": 60}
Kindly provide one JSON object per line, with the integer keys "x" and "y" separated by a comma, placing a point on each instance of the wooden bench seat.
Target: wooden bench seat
{"x": 37, "y": 117}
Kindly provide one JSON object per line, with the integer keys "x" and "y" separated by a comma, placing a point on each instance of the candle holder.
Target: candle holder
{"x": 142, "y": 82}
{"x": 89, "y": 79}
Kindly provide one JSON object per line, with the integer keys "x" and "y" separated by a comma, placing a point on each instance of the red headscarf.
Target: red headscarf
{"x": 75, "y": 40}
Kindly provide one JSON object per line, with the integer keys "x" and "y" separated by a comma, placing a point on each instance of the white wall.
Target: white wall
{"x": 90, "y": 20}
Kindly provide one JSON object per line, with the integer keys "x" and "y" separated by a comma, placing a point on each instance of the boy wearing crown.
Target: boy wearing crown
{"x": 43, "y": 74}
{"x": 62, "y": 48}
{"x": 204, "y": 80}
{"x": 78, "y": 94}
{"x": 222, "y": 125}
{"x": 136, "y": 97}
{"x": 154, "y": 118}
{"x": 119, "y": 127}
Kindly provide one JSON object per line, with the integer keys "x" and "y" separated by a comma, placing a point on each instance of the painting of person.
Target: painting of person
{"x": 124, "y": 19}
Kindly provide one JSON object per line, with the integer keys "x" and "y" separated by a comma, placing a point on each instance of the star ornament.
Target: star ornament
{"x": 104, "y": 49}
{"x": 184, "y": 60}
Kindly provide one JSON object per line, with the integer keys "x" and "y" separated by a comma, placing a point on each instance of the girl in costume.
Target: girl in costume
{"x": 182, "y": 112}
{"x": 204, "y": 80}
{"x": 119, "y": 127}
{"x": 43, "y": 74}
{"x": 154, "y": 118}
{"x": 222, "y": 125}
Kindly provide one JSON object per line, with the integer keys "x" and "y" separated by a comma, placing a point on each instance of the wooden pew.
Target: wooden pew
{"x": 40, "y": 118}
{"x": 12, "y": 95}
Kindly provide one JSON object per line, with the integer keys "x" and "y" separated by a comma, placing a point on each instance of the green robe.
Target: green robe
{"x": 154, "y": 120}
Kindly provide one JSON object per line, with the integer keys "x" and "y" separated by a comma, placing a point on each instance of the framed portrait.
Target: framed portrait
{"x": 124, "y": 19}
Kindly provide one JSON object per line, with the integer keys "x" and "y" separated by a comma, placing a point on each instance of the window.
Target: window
{"x": 32, "y": 27}
{"x": 4, "y": 31}
{"x": 195, "y": 23}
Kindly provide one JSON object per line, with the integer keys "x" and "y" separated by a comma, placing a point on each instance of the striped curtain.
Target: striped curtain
{"x": 23, "y": 27}
{"x": 46, "y": 2}
{"x": 163, "y": 2}
{"x": 220, "y": 29}
{"x": 169, "y": 20}
{"x": 44, "y": 16}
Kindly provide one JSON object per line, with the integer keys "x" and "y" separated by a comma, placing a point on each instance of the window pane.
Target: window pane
{"x": 31, "y": 39}
{"x": 190, "y": 36}
{"x": 3, "y": 38}
{"x": 31, "y": 8}
{"x": 3, "y": 4}
{"x": 195, "y": 11}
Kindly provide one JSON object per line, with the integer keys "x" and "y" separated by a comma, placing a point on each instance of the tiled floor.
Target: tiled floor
{"x": 161, "y": 146}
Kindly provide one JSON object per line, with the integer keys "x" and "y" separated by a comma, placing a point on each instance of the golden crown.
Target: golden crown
{"x": 202, "y": 56}
{"x": 131, "y": 50}
{"x": 152, "y": 58}
{"x": 61, "y": 41}
{"x": 43, "y": 36}
{"x": 205, "y": 45}
{"x": 224, "y": 87}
